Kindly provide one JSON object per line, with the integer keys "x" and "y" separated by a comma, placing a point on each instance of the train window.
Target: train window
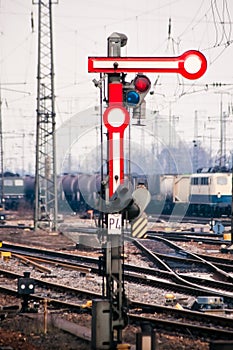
{"x": 19, "y": 182}
{"x": 194, "y": 181}
{"x": 221, "y": 180}
{"x": 204, "y": 181}
{"x": 8, "y": 182}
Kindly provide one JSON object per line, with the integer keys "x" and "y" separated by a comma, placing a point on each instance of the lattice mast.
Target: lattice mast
{"x": 46, "y": 177}
{"x": 2, "y": 204}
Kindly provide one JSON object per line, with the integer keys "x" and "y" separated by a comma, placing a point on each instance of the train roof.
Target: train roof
{"x": 211, "y": 174}
{"x": 215, "y": 169}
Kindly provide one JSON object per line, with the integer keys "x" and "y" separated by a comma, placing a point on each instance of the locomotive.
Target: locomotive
{"x": 12, "y": 189}
{"x": 210, "y": 194}
{"x": 205, "y": 193}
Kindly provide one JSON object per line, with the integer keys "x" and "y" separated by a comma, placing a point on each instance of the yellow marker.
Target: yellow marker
{"x": 227, "y": 236}
{"x": 5, "y": 255}
{"x": 170, "y": 296}
{"x": 179, "y": 307}
{"x": 123, "y": 346}
{"x": 88, "y": 304}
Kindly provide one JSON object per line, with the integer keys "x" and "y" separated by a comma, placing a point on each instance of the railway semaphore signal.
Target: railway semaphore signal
{"x": 191, "y": 64}
{"x": 108, "y": 314}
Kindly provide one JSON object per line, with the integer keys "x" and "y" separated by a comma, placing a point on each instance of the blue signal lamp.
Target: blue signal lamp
{"x": 132, "y": 98}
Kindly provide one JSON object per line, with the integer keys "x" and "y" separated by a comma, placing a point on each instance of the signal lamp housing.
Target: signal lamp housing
{"x": 26, "y": 285}
{"x": 136, "y": 91}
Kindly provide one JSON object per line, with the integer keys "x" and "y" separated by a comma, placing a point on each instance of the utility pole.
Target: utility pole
{"x": 2, "y": 204}
{"x": 210, "y": 144}
{"x": 221, "y": 133}
{"x": 46, "y": 174}
{"x": 195, "y": 143}
{"x": 222, "y": 130}
{"x": 169, "y": 136}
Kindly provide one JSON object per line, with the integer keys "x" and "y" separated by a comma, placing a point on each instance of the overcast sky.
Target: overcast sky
{"x": 81, "y": 29}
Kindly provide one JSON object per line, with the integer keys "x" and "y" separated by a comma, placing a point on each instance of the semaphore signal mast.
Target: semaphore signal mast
{"x": 120, "y": 202}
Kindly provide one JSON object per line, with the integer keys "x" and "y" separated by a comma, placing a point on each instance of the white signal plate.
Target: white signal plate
{"x": 114, "y": 224}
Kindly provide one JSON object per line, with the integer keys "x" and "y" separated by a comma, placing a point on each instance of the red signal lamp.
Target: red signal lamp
{"x": 142, "y": 83}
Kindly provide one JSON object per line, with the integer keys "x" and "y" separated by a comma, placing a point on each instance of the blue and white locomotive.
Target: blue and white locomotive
{"x": 210, "y": 193}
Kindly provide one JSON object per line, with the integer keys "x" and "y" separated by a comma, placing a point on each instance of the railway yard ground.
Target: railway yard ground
{"x": 23, "y": 331}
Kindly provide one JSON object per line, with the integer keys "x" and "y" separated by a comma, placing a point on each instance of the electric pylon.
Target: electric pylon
{"x": 46, "y": 175}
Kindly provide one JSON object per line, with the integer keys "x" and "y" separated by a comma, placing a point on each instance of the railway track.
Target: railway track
{"x": 143, "y": 271}
{"x": 163, "y": 277}
{"x": 185, "y": 236}
{"x": 213, "y": 285}
{"x": 182, "y": 321}
{"x": 225, "y": 221}
{"x": 162, "y": 318}
{"x": 214, "y": 264}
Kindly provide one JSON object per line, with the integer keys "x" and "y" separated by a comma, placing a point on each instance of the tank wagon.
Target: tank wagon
{"x": 81, "y": 191}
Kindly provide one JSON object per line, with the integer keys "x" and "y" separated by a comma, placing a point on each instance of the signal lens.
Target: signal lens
{"x": 142, "y": 83}
{"x": 132, "y": 98}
